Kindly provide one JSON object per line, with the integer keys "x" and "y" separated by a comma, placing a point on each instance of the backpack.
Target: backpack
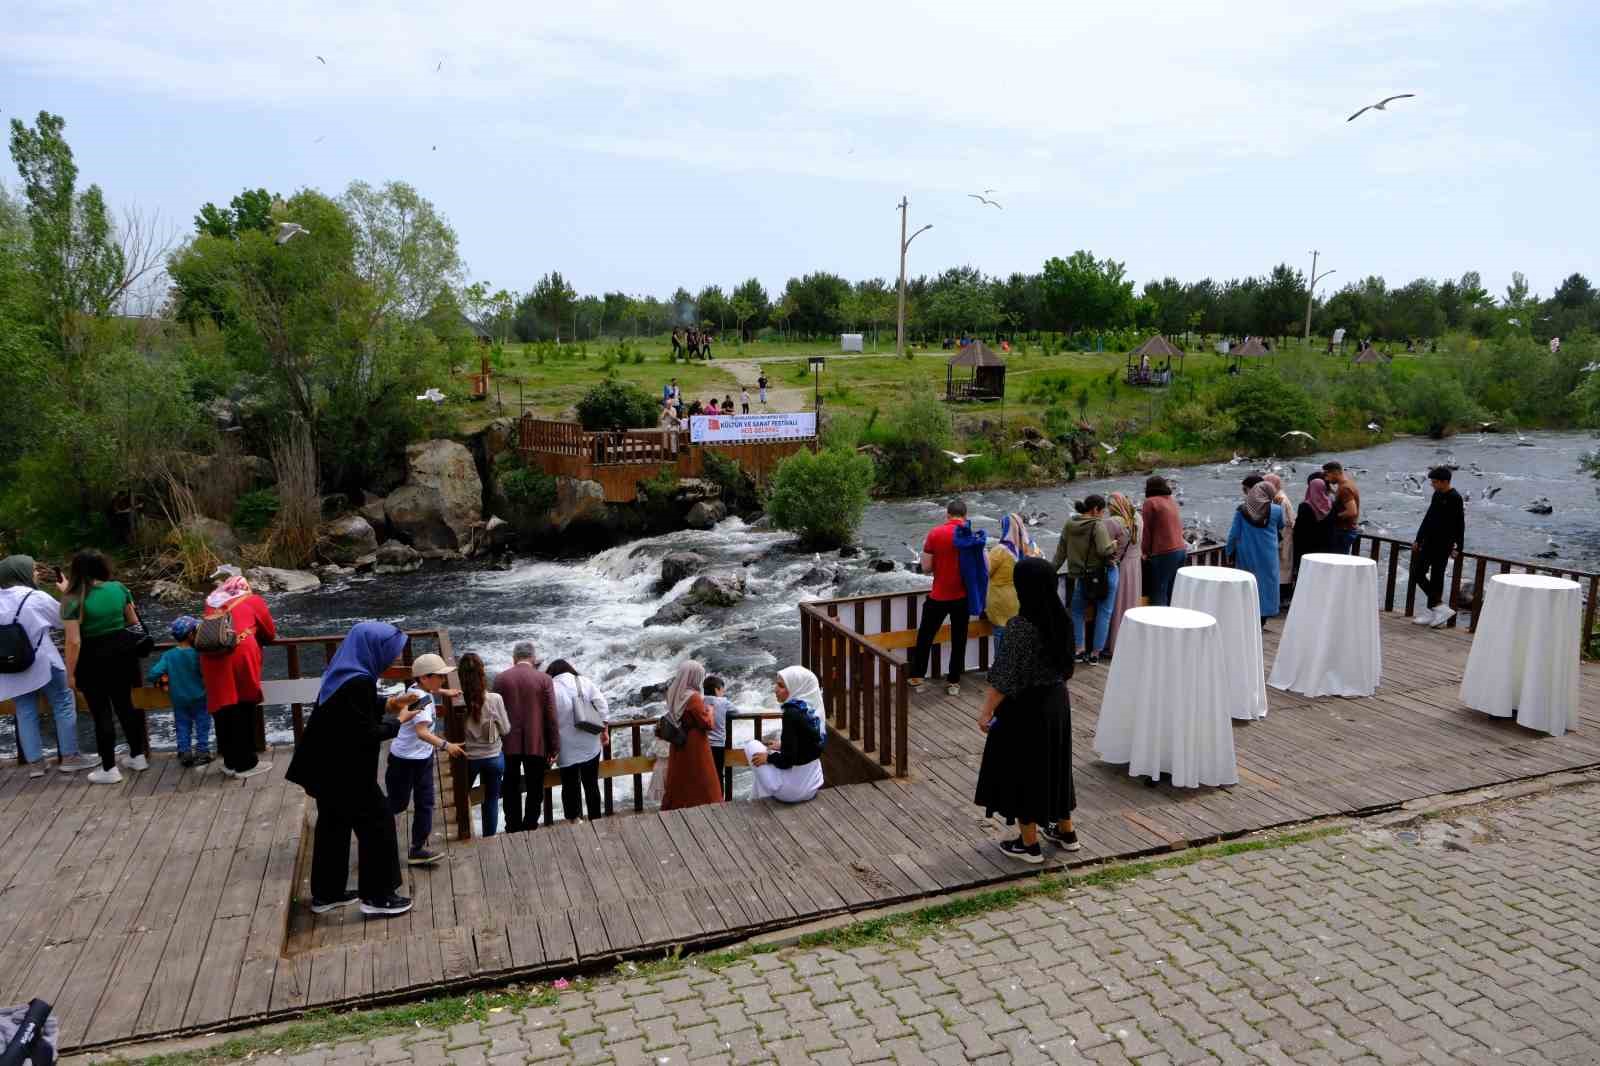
{"x": 215, "y": 635}
{"x": 17, "y": 652}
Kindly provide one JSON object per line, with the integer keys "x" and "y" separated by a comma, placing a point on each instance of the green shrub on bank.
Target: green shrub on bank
{"x": 821, "y": 496}
{"x": 738, "y": 487}
{"x": 254, "y": 511}
{"x": 612, "y": 404}
{"x": 530, "y": 492}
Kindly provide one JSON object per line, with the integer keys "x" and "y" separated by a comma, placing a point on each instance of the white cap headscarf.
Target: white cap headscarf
{"x": 691, "y": 678}
{"x": 803, "y": 685}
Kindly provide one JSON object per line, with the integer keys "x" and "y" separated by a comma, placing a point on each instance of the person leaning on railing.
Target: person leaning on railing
{"x": 581, "y": 750}
{"x": 484, "y": 725}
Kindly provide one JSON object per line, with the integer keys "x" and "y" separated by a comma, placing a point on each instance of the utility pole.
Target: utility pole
{"x": 905, "y": 242}
{"x": 1311, "y": 290}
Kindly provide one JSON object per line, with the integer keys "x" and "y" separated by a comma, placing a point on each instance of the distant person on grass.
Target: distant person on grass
{"x": 1346, "y": 509}
{"x": 744, "y": 399}
{"x": 947, "y": 600}
{"x": 761, "y": 383}
{"x": 1440, "y": 536}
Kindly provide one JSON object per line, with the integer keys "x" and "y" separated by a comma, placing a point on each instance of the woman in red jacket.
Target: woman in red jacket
{"x": 233, "y": 678}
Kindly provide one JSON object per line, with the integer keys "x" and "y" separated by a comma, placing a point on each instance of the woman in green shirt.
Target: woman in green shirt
{"x": 96, "y": 609}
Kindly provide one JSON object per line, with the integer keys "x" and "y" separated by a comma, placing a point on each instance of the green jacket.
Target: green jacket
{"x": 1086, "y": 544}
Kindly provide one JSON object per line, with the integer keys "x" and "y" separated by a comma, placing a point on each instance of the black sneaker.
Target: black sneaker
{"x": 202, "y": 758}
{"x": 323, "y": 906}
{"x": 387, "y": 907}
{"x": 422, "y": 857}
{"x": 1083, "y": 657}
{"x": 1093, "y": 660}
{"x": 1026, "y": 852}
{"x": 185, "y": 760}
{"x": 1067, "y": 841}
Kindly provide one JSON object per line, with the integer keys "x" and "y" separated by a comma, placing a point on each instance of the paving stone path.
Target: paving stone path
{"x": 1470, "y": 938}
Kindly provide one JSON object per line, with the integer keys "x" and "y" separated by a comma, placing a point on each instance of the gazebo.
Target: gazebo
{"x": 1151, "y": 362}
{"x": 1251, "y": 348}
{"x": 987, "y": 377}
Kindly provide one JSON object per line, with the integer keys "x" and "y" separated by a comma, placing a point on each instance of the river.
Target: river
{"x": 592, "y": 612}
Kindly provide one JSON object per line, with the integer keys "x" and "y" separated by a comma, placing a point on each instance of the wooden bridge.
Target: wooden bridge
{"x": 174, "y": 902}
{"x": 619, "y": 459}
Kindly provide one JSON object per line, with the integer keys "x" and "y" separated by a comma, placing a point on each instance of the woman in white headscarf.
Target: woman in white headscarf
{"x": 790, "y": 771}
{"x": 691, "y": 772}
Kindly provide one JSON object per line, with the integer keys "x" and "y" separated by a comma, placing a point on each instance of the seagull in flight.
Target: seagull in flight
{"x": 288, "y": 231}
{"x": 440, "y": 67}
{"x": 1111, "y": 449}
{"x": 984, "y": 199}
{"x": 433, "y": 395}
{"x": 324, "y": 62}
{"x": 957, "y": 457}
{"x": 1374, "y": 427}
{"x": 1297, "y": 433}
{"x": 1380, "y": 105}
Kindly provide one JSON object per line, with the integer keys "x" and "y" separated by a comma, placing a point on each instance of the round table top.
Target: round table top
{"x": 1330, "y": 559}
{"x": 1536, "y": 581}
{"x": 1169, "y": 617}
{"x": 1216, "y": 573}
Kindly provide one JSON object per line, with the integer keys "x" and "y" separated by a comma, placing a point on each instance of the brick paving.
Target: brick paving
{"x": 1470, "y": 938}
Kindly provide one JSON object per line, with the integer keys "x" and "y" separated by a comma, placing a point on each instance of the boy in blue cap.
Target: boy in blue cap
{"x": 178, "y": 671}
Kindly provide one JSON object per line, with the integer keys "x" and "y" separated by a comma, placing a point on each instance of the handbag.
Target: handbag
{"x": 584, "y": 714}
{"x": 17, "y": 652}
{"x": 132, "y": 639}
{"x": 215, "y": 635}
{"x": 1096, "y": 585}
{"x": 670, "y": 732}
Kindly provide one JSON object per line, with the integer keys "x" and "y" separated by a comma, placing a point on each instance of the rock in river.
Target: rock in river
{"x": 676, "y": 566}
{"x": 344, "y": 540}
{"x": 709, "y": 591}
{"x": 442, "y": 497}
{"x": 273, "y": 579}
{"x": 396, "y": 558}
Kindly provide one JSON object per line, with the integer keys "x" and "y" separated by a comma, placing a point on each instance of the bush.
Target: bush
{"x": 617, "y": 404}
{"x": 821, "y": 496}
{"x": 738, "y": 487}
{"x": 1436, "y": 404}
{"x": 1196, "y": 425}
{"x": 912, "y": 468}
{"x": 925, "y": 420}
{"x": 1265, "y": 406}
{"x": 530, "y": 492}
{"x": 254, "y": 511}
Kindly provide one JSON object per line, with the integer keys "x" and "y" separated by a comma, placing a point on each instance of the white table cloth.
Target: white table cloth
{"x": 1524, "y": 658}
{"x": 1330, "y": 641}
{"x": 1165, "y": 708}
{"x": 1230, "y": 596}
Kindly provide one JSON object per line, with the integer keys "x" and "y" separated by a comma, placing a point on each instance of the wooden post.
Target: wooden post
{"x": 638, "y": 779}
{"x": 293, "y": 651}
{"x": 455, "y": 731}
{"x": 1588, "y": 615}
{"x": 1394, "y": 572}
{"x": 1411, "y": 587}
{"x": 1480, "y": 575}
{"x": 902, "y": 725}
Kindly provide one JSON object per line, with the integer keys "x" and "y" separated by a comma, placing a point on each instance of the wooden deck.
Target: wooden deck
{"x": 166, "y": 904}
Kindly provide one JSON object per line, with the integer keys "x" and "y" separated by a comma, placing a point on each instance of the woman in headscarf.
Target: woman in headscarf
{"x": 790, "y": 770}
{"x": 233, "y": 678}
{"x": 1026, "y": 774}
{"x": 1311, "y": 523}
{"x": 1128, "y": 531}
{"x": 336, "y": 762}
{"x": 1253, "y": 541}
{"x": 1014, "y": 544}
{"x": 1285, "y": 536}
{"x": 45, "y": 682}
{"x": 691, "y": 773}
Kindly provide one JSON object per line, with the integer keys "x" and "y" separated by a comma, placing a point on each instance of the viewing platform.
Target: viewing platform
{"x": 175, "y": 902}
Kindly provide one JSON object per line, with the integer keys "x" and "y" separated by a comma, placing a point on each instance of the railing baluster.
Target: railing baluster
{"x": 1394, "y": 571}
{"x": 638, "y": 779}
{"x": 1479, "y": 577}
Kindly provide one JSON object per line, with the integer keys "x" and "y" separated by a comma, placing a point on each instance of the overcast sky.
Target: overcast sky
{"x": 642, "y": 146}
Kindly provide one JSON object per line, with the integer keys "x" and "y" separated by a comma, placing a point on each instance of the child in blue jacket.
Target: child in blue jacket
{"x": 178, "y": 671}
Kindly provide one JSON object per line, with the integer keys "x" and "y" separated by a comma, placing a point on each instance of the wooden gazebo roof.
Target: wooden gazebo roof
{"x": 1157, "y": 347}
{"x": 976, "y": 354}
{"x": 1253, "y": 346}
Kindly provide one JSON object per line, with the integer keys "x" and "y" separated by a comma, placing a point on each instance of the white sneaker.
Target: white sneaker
{"x": 255, "y": 771}
{"x": 1424, "y": 616}
{"x": 105, "y": 777}
{"x": 133, "y": 762}
{"x": 36, "y": 770}
{"x": 73, "y": 763}
{"x": 1441, "y": 615}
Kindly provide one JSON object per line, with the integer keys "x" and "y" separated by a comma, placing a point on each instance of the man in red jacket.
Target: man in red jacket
{"x": 533, "y": 743}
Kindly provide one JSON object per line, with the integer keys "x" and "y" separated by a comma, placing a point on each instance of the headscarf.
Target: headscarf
{"x": 1014, "y": 536}
{"x": 804, "y": 688}
{"x": 1257, "y": 505}
{"x": 1276, "y": 482}
{"x": 1123, "y": 508}
{"x": 1040, "y": 604}
{"x": 691, "y": 678}
{"x": 17, "y": 570}
{"x": 228, "y": 591}
{"x": 1317, "y": 496}
{"x": 367, "y": 651}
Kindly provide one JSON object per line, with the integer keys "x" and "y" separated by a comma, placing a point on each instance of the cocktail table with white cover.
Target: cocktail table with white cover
{"x": 1230, "y": 596}
{"x": 1165, "y": 708}
{"x": 1524, "y": 658}
{"x": 1330, "y": 641}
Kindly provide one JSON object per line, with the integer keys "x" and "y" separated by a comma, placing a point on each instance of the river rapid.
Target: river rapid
{"x": 592, "y": 612}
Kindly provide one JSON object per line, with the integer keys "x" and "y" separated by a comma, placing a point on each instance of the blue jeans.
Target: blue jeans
{"x": 1344, "y": 541}
{"x": 1102, "y": 612}
{"x": 405, "y": 779}
{"x": 491, "y": 771}
{"x": 1163, "y": 572}
{"x": 192, "y": 720}
{"x": 64, "y": 709}
{"x": 999, "y": 634}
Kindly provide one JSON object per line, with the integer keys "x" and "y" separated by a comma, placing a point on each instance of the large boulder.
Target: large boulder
{"x": 372, "y": 510}
{"x": 173, "y": 594}
{"x": 709, "y": 592}
{"x": 578, "y": 500}
{"x": 272, "y": 579}
{"x": 219, "y": 537}
{"x": 678, "y": 565}
{"x": 691, "y": 489}
{"x": 344, "y": 540}
{"x": 441, "y": 500}
{"x": 393, "y": 557}
{"x": 499, "y": 436}
{"x": 705, "y": 514}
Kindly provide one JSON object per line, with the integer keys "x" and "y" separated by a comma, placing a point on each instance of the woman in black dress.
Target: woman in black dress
{"x": 1026, "y": 775}
{"x": 1311, "y": 520}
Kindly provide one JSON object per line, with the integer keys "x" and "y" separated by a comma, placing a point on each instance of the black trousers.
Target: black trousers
{"x": 523, "y": 814}
{"x": 236, "y": 735}
{"x": 934, "y": 614}
{"x": 580, "y": 790}
{"x": 111, "y": 702}
{"x": 719, "y": 755}
{"x": 377, "y": 849}
{"x": 1427, "y": 573}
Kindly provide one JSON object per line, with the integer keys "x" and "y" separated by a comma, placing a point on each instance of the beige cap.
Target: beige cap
{"x": 429, "y": 664}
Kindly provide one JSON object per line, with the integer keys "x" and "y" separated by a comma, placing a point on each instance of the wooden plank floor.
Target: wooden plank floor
{"x": 168, "y": 904}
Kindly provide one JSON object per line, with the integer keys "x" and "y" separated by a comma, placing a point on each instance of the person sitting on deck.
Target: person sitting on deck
{"x": 691, "y": 773}
{"x": 336, "y": 762}
{"x": 1026, "y": 773}
{"x": 790, "y": 769}
{"x": 727, "y": 404}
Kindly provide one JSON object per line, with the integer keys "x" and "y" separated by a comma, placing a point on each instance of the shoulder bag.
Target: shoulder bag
{"x": 584, "y": 714}
{"x": 17, "y": 652}
{"x": 671, "y": 732}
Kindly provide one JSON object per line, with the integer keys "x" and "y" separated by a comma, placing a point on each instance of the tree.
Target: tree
{"x": 684, "y": 312}
{"x": 1171, "y": 308}
{"x": 617, "y": 404}
{"x": 816, "y": 302}
{"x": 404, "y": 250}
{"x": 617, "y": 310}
{"x": 822, "y": 496}
{"x": 1574, "y": 292}
{"x": 541, "y": 313}
{"x": 713, "y": 307}
{"x": 960, "y": 299}
{"x": 251, "y": 209}
{"x": 751, "y": 295}
{"x": 1082, "y": 292}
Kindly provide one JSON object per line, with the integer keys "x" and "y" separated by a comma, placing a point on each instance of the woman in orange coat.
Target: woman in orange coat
{"x": 233, "y": 678}
{"x": 691, "y": 773}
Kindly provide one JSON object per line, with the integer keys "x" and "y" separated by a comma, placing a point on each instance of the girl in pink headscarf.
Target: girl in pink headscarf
{"x": 233, "y": 676}
{"x": 1286, "y": 538}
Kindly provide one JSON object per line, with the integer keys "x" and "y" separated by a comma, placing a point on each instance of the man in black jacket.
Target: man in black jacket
{"x": 1440, "y": 535}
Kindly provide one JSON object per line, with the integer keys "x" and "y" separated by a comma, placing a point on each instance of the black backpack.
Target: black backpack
{"x": 17, "y": 652}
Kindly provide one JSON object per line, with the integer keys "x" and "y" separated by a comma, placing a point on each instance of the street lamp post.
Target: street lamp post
{"x": 1311, "y": 292}
{"x": 905, "y": 242}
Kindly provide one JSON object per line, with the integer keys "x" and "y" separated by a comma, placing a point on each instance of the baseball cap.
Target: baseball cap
{"x": 429, "y": 664}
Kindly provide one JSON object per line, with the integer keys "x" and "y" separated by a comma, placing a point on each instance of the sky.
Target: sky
{"x": 642, "y": 146}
